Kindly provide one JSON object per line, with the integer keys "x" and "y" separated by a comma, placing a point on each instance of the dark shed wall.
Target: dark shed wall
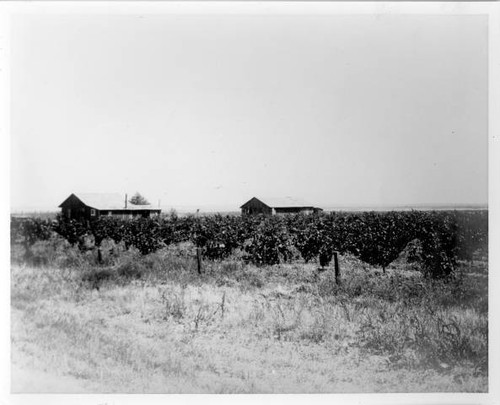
{"x": 255, "y": 207}
{"x": 72, "y": 202}
{"x": 73, "y": 208}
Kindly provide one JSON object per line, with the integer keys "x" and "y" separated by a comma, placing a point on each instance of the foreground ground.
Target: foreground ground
{"x": 152, "y": 325}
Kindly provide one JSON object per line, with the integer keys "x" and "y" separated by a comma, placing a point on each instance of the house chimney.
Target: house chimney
{"x": 125, "y": 200}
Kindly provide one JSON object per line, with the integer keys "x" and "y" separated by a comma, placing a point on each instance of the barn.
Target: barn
{"x": 90, "y": 206}
{"x": 277, "y": 206}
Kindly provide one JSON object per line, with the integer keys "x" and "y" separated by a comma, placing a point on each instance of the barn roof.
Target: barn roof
{"x": 284, "y": 202}
{"x": 109, "y": 201}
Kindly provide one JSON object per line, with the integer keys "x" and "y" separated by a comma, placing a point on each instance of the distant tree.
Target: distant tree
{"x": 138, "y": 199}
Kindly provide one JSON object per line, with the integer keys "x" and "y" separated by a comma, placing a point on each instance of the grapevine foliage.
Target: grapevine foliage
{"x": 28, "y": 231}
{"x": 378, "y": 238}
{"x": 271, "y": 243}
{"x": 374, "y": 237}
{"x": 71, "y": 230}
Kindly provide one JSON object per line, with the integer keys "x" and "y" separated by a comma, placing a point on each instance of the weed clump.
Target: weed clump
{"x": 173, "y": 303}
{"x": 424, "y": 337}
{"x": 131, "y": 269}
{"x": 96, "y": 278}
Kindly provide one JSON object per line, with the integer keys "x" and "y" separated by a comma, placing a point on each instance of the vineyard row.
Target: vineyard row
{"x": 439, "y": 239}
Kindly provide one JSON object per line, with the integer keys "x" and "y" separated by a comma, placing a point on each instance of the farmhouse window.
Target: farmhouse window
{"x": 92, "y": 212}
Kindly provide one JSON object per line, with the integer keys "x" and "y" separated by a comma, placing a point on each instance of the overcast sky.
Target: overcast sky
{"x": 211, "y": 110}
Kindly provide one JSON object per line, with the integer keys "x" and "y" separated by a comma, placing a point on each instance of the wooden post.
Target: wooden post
{"x": 198, "y": 259}
{"x": 198, "y": 249}
{"x": 337, "y": 268}
{"x": 99, "y": 255}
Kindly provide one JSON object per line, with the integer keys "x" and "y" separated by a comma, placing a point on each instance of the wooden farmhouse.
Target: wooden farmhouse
{"x": 277, "y": 206}
{"x": 93, "y": 205}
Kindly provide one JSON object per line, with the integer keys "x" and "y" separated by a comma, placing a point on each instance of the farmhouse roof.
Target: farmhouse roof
{"x": 108, "y": 201}
{"x": 284, "y": 202}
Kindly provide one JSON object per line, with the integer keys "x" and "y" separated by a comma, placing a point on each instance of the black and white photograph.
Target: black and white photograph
{"x": 251, "y": 198}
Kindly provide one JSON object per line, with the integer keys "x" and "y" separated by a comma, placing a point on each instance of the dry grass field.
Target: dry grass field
{"x": 151, "y": 324}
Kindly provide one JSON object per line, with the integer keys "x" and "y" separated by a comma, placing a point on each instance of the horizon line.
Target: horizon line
{"x": 326, "y": 207}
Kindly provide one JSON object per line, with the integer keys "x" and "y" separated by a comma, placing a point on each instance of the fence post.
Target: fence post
{"x": 198, "y": 259}
{"x": 198, "y": 249}
{"x": 337, "y": 268}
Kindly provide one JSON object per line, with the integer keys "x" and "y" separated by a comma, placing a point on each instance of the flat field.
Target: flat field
{"x": 151, "y": 324}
